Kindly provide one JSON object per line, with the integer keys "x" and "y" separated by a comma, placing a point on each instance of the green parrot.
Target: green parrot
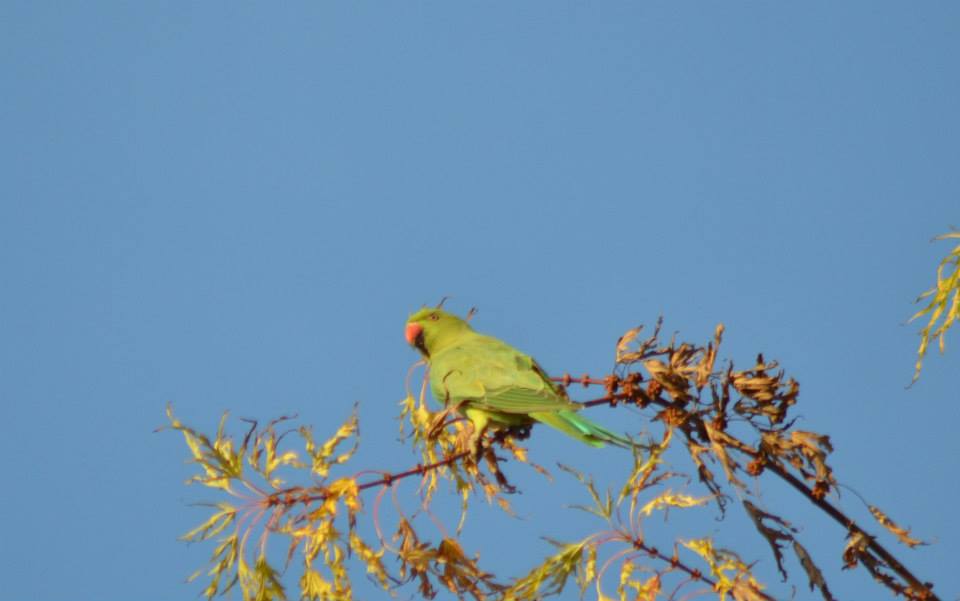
{"x": 492, "y": 383}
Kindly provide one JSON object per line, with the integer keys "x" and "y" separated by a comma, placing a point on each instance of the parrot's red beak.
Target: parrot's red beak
{"x": 412, "y": 333}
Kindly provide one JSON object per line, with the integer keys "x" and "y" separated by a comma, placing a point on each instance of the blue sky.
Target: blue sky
{"x": 227, "y": 206}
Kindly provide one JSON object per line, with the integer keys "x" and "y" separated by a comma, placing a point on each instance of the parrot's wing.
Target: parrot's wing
{"x": 495, "y": 376}
{"x": 523, "y": 400}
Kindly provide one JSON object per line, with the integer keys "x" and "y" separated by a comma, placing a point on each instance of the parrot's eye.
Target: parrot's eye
{"x": 434, "y": 317}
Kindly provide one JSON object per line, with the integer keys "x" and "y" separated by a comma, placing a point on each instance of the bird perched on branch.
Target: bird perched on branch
{"x": 492, "y": 383}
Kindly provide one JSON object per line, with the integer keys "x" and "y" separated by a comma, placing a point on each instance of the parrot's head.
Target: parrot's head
{"x": 431, "y": 329}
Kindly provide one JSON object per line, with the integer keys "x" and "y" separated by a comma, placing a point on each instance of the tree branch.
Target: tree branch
{"x": 640, "y": 396}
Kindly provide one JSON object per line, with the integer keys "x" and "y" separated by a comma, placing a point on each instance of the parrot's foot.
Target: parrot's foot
{"x": 475, "y": 444}
{"x": 520, "y": 432}
{"x": 476, "y": 448}
{"x": 479, "y": 420}
{"x": 440, "y": 420}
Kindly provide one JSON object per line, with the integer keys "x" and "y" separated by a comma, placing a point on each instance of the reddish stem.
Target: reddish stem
{"x": 284, "y": 497}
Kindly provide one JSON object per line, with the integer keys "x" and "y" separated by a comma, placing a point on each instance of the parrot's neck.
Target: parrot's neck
{"x": 450, "y": 339}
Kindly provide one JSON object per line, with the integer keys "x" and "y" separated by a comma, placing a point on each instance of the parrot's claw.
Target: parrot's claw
{"x": 440, "y": 420}
{"x": 475, "y": 444}
{"x": 476, "y": 450}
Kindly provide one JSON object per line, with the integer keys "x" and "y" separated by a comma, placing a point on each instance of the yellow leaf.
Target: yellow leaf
{"x": 371, "y": 558}
{"x": 589, "y": 569}
{"x": 625, "y": 571}
{"x": 313, "y": 587}
{"x": 702, "y": 547}
{"x": 945, "y": 303}
{"x": 649, "y": 590}
{"x": 671, "y": 499}
{"x": 345, "y": 490}
{"x": 322, "y": 454}
{"x": 728, "y": 569}
{"x": 220, "y": 463}
{"x": 644, "y": 468}
{"x": 214, "y": 525}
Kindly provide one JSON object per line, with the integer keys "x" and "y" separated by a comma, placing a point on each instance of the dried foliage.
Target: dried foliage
{"x": 735, "y": 420}
{"x": 943, "y": 309}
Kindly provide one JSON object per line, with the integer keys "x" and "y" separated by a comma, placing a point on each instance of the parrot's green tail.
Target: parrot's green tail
{"x": 576, "y": 426}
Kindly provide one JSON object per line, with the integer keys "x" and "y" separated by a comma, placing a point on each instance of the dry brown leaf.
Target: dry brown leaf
{"x": 814, "y": 574}
{"x": 748, "y": 590}
{"x": 764, "y": 394}
{"x": 774, "y": 536}
{"x": 703, "y": 472}
{"x": 623, "y": 344}
{"x": 643, "y": 348}
{"x": 709, "y": 358}
{"x": 718, "y": 444}
{"x": 674, "y": 383}
{"x": 856, "y": 549}
{"x": 815, "y": 447}
{"x": 902, "y": 534}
